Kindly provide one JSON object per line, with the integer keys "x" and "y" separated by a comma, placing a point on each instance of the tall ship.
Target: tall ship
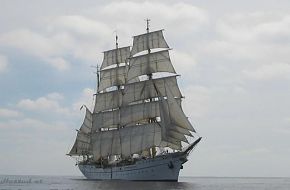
{"x": 137, "y": 129}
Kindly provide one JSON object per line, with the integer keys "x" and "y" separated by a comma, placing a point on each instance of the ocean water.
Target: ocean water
{"x": 187, "y": 183}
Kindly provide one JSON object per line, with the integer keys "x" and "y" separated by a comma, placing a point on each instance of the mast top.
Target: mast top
{"x": 147, "y": 22}
{"x": 116, "y": 39}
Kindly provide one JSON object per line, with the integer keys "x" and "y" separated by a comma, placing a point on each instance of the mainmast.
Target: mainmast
{"x": 148, "y": 48}
{"x": 117, "y": 62}
{"x": 152, "y": 151}
{"x": 165, "y": 94}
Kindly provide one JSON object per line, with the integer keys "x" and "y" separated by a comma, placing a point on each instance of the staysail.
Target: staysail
{"x": 82, "y": 143}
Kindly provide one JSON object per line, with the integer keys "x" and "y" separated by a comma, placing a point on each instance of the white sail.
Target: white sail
{"x": 87, "y": 124}
{"x": 108, "y": 119}
{"x": 176, "y": 146}
{"x": 150, "y": 63}
{"x": 115, "y": 56}
{"x": 146, "y": 89}
{"x": 180, "y": 130}
{"x": 130, "y": 140}
{"x": 174, "y": 124}
{"x": 175, "y": 112}
{"x": 177, "y": 136}
{"x": 126, "y": 141}
{"x": 139, "y": 112}
{"x": 165, "y": 119}
{"x": 81, "y": 145}
{"x": 148, "y": 41}
{"x": 125, "y": 115}
{"x": 108, "y": 100}
{"x": 107, "y": 139}
{"x": 82, "y": 142}
{"x": 173, "y": 143}
{"x": 112, "y": 77}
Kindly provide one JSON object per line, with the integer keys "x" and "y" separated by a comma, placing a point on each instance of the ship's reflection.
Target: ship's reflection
{"x": 135, "y": 185}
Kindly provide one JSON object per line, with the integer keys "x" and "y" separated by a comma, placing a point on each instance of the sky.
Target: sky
{"x": 233, "y": 58}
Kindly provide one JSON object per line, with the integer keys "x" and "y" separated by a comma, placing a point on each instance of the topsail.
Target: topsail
{"x": 150, "y": 63}
{"x": 147, "y": 41}
{"x": 115, "y": 56}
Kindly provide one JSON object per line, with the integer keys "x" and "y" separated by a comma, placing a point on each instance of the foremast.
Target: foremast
{"x": 110, "y": 80}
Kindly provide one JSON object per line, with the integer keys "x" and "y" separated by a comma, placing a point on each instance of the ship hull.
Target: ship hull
{"x": 160, "y": 168}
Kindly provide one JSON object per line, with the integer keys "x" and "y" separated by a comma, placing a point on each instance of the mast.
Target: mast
{"x": 117, "y": 62}
{"x": 118, "y": 87}
{"x": 152, "y": 151}
{"x": 159, "y": 93}
{"x": 148, "y": 48}
{"x": 98, "y": 76}
{"x": 106, "y": 116}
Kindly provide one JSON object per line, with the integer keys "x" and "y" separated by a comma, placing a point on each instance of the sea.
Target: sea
{"x": 10, "y": 182}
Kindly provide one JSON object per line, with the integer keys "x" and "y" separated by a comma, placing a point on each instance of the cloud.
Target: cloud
{"x": 59, "y": 63}
{"x": 46, "y": 103}
{"x": 269, "y": 72}
{"x": 258, "y": 35}
{"x": 8, "y": 113}
{"x": 82, "y": 26}
{"x": 174, "y": 12}
{"x": 66, "y": 36}
{"x": 3, "y": 63}
{"x": 255, "y": 26}
{"x": 48, "y": 48}
{"x": 28, "y": 41}
{"x": 55, "y": 96}
{"x": 197, "y": 102}
{"x": 184, "y": 63}
{"x": 79, "y": 36}
{"x": 30, "y": 123}
{"x": 87, "y": 98}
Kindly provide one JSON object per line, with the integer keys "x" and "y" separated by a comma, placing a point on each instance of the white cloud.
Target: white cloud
{"x": 87, "y": 99}
{"x": 82, "y": 26}
{"x": 8, "y": 113}
{"x": 81, "y": 36}
{"x": 40, "y": 45}
{"x": 175, "y": 12}
{"x": 184, "y": 63}
{"x": 59, "y": 63}
{"x": 197, "y": 101}
{"x": 269, "y": 72}
{"x": 287, "y": 120}
{"x": 55, "y": 96}
{"x": 46, "y": 103}
{"x": 3, "y": 63}
{"x": 28, "y": 41}
{"x": 256, "y": 26}
{"x": 262, "y": 36}
{"x": 30, "y": 123}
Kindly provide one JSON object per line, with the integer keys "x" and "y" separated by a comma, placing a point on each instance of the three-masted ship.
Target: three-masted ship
{"x": 137, "y": 130}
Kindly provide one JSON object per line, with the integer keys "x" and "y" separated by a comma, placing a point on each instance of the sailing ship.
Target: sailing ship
{"x": 137, "y": 129}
